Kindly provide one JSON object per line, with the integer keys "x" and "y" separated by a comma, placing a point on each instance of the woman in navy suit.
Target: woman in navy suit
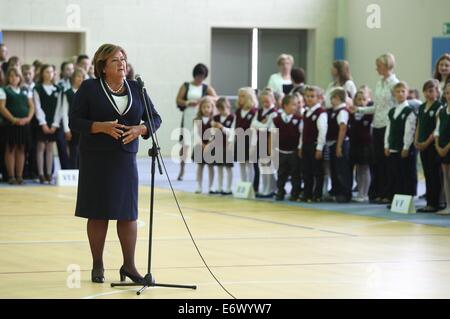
{"x": 109, "y": 113}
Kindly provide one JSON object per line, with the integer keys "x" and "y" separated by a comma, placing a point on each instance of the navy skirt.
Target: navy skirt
{"x": 107, "y": 185}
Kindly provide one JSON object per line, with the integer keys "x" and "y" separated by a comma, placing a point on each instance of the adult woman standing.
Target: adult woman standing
{"x": 277, "y": 81}
{"x": 188, "y": 99}
{"x": 383, "y": 102}
{"x": 109, "y": 113}
{"x": 340, "y": 72}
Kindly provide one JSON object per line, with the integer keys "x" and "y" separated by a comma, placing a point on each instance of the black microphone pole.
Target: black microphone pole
{"x": 154, "y": 153}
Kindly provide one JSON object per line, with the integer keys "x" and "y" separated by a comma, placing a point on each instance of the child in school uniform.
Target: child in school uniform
{"x": 288, "y": 125}
{"x": 223, "y": 122}
{"x": 203, "y": 136}
{"x": 361, "y": 150}
{"x": 45, "y": 100}
{"x": 261, "y": 122}
{"x": 398, "y": 144}
{"x": 62, "y": 112}
{"x": 442, "y": 144}
{"x": 16, "y": 106}
{"x": 313, "y": 139}
{"x": 247, "y": 107}
{"x": 424, "y": 141}
{"x": 338, "y": 143}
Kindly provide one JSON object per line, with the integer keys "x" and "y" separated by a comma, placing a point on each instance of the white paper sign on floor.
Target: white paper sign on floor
{"x": 67, "y": 177}
{"x": 403, "y": 204}
{"x": 244, "y": 190}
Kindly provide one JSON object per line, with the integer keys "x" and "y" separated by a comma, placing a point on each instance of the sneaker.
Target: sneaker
{"x": 198, "y": 191}
{"x": 359, "y": 199}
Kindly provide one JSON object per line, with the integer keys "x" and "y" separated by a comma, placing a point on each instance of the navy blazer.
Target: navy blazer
{"x": 94, "y": 103}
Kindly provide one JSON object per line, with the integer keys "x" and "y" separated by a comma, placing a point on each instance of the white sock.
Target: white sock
{"x": 199, "y": 177}
{"x": 210, "y": 177}
{"x": 229, "y": 178}
{"x": 219, "y": 178}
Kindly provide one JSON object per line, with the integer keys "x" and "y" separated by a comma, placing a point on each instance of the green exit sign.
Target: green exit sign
{"x": 447, "y": 28}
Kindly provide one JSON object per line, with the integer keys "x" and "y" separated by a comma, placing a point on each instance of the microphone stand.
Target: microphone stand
{"x": 153, "y": 152}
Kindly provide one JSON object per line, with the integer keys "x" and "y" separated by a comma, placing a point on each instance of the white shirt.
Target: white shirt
{"x": 383, "y": 102}
{"x": 438, "y": 122}
{"x": 65, "y": 84}
{"x": 342, "y": 118}
{"x": 62, "y": 112}
{"x": 349, "y": 87}
{"x": 194, "y": 92}
{"x": 322, "y": 127}
{"x": 276, "y": 82}
{"x": 40, "y": 115}
{"x": 16, "y": 90}
{"x": 121, "y": 102}
{"x": 410, "y": 128}
{"x": 260, "y": 125}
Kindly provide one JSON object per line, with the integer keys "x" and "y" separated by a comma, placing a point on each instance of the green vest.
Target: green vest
{"x": 397, "y": 128}
{"x": 427, "y": 120}
{"x": 48, "y": 102}
{"x": 17, "y": 103}
{"x": 444, "y": 128}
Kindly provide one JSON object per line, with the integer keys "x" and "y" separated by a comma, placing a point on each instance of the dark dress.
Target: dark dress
{"x": 108, "y": 178}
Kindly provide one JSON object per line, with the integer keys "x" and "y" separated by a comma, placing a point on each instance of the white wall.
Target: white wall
{"x": 165, "y": 39}
{"x": 407, "y": 27}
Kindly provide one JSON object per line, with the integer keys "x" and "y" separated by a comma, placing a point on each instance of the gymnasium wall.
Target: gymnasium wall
{"x": 407, "y": 29}
{"x": 165, "y": 39}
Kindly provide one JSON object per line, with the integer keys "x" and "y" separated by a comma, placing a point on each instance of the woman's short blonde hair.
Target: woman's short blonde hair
{"x": 285, "y": 57}
{"x": 103, "y": 53}
{"x": 388, "y": 60}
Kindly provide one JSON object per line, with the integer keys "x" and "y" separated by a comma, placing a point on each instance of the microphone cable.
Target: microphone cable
{"x": 150, "y": 116}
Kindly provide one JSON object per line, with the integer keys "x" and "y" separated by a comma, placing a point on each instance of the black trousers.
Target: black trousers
{"x": 312, "y": 173}
{"x": 341, "y": 175}
{"x": 433, "y": 175}
{"x": 402, "y": 176}
{"x": 380, "y": 164}
{"x": 256, "y": 178}
{"x": 61, "y": 145}
{"x": 289, "y": 166}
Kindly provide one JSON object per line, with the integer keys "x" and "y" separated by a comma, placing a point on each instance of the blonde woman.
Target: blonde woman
{"x": 383, "y": 103}
{"x": 276, "y": 82}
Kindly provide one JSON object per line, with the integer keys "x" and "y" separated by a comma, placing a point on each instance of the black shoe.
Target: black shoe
{"x": 279, "y": 197}
{"x": 213, "y": 193}
{"x": 48, "y": 178}
{"x": 293, "y": 198}
{"x": 389, "y": 206}
{"x": 123, "y": 274}
{"x": 19, "y": 181}
{"x": 41, "y": 179}
{"x": 97, "y": 276}
{"x": 226, "y": 193}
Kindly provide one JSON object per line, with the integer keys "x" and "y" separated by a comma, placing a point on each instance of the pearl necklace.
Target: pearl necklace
{"x": 116, "y": 91}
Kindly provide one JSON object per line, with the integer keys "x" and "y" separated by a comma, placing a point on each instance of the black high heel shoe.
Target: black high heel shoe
{"x": 97, "y": 276}
{"x": 134, "y": 278}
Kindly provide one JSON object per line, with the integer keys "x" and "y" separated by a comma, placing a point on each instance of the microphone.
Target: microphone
{"x": 139, "y": 80}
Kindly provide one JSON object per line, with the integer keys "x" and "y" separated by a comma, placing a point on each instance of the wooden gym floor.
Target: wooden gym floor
{"x": 257, "y": 250}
